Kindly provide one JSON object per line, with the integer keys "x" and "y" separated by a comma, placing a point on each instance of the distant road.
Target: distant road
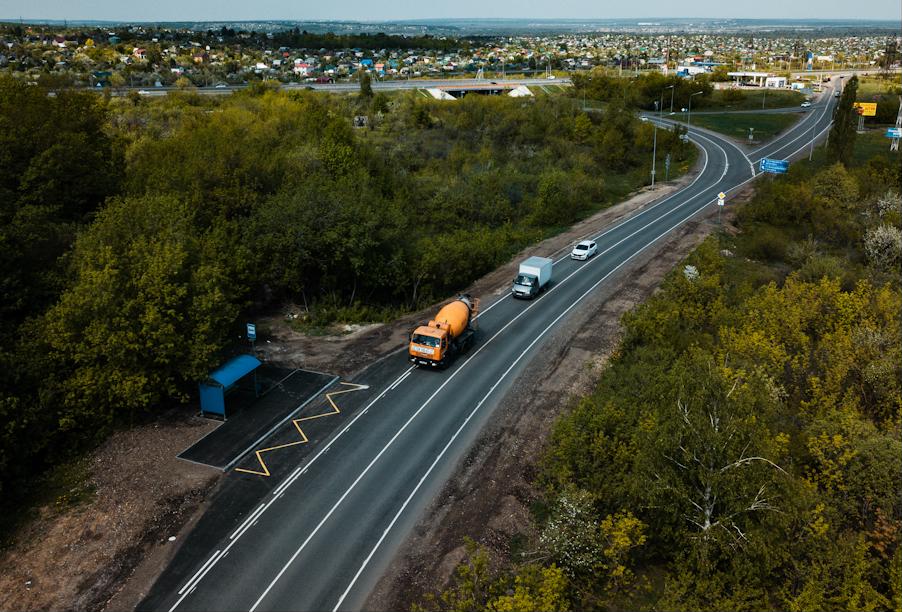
{"x": 348, "y": 87}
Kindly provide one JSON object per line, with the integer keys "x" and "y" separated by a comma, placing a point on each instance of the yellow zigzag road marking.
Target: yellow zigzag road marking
{"x": 296, "y": 423}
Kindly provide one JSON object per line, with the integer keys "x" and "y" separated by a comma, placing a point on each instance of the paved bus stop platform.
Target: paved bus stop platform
{"x": 252, "y": 419}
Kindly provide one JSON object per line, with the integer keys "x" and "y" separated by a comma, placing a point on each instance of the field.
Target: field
{"x": 766, "y": 125}
{"x": 752, "y": 99}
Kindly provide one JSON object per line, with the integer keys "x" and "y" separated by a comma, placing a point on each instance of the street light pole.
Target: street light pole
{"x": 672, "y": 90}
{"x": 689, "y": 116}
{"x": 765, "y": 96}
{"x": 661, "y": 107}
{"x": 654, "y": 154}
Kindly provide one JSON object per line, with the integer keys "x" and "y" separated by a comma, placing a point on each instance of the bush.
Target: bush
{"x": 883, "y": 247}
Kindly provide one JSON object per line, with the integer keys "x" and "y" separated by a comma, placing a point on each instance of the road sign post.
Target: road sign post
{"x": 774, "y": 166}
{"x": 252, "y": 335}
{"x": 720, "y": 204}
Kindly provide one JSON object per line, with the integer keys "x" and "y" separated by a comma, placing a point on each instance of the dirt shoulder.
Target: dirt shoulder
{"x": 490, "y": 495}
{"x": 349, "y": 353}
{"x": 79, "y": 558}
{"x": 106, "y": 553}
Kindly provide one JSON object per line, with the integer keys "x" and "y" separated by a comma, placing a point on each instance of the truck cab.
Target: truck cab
{"x": 428, "y": 343}
{"x": 526, "y": 285}
{"x": 452, "y": 331}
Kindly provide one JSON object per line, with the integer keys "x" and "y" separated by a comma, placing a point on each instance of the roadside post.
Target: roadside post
{"x": 720, "y": 204}
{"x": 654, "y": 154}
{"x": 667, "y": 167}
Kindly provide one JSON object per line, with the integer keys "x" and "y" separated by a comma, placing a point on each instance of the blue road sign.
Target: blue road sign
{"x": 775, "y": 166}
{"x": 251, "y": 331}
{"x": 894, "y": 132}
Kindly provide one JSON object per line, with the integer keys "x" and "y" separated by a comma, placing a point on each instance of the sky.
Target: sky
{"x": 372, "y": 10}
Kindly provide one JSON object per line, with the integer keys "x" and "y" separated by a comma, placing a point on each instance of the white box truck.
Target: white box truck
{"x": 533, "y": 276}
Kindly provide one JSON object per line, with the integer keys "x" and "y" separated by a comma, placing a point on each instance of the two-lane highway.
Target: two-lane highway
{"x": 319, "y": 538}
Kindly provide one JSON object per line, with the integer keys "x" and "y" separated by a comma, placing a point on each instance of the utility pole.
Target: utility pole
{"x": 672, "y": 90}
{"x": 765, "y": 96}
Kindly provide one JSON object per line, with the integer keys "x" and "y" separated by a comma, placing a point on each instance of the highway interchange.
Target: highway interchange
{"x": 320, "y": 532}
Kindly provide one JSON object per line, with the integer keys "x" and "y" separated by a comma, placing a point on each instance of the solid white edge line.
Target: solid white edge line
{"x": 247, "y": 520}
{"x": 440, "y": 388}
{"x": 197, "y": 573}
{"x": 291, "y": 479}
{"x": 617, "y": 226}
{"x": 486, "y": 396}
{"x": 802, "y": 133}
{"x": 495, "y": 386}
{"x": 201, "y": 573}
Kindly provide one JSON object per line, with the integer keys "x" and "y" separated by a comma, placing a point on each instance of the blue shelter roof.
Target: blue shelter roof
{"x": 234, "y": 369}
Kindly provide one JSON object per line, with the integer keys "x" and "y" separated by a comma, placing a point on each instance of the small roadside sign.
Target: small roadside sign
{"x": 894, "y": 132}
{"x": 251, "y": 331}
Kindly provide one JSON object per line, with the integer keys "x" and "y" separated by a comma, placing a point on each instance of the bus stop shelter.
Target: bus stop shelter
{"x": 222, "y": 380}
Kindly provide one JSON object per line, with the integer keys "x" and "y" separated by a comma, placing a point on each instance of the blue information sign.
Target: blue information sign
{"x": 251, "y": 331}
{"x": 776, "y": 166}
{"x": 894, "y": 132}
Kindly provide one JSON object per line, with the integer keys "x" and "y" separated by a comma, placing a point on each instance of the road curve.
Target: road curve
{"x": 319, "y": 534}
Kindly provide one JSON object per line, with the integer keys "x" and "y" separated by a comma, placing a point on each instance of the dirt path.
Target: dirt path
{"x": 489, "y": 497}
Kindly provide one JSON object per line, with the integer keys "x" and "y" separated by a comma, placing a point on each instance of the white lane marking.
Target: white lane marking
{"x": 492, "y": 389}
{"x": 803, "y": 132}
{"x": 247, "y": 521}
{"x": 791, "y": 130}
{"x": 296, "y": 474}
{"x": 400, "y": 380}
{"x": 701, "y": 132}
{"x": 284, "y": 485}
{"x": 620, "y": 224}
{"x": 446, "y": 382}
{"x": 198, "y": 572}
{"x": 486, "y": 396}
{"x": 827, "y": 103}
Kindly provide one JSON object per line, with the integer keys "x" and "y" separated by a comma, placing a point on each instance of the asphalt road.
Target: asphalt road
{"x": 320, "y": 532}
{"x": 391, "y": 85}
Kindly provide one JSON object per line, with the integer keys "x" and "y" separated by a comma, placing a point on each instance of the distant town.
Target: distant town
{"x": 147, "y": 56}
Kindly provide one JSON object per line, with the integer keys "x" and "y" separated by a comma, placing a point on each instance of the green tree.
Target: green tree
{"x": 146, "y": 315}
{"x": 845, "y": 125}
{"x": 366, "y": 85}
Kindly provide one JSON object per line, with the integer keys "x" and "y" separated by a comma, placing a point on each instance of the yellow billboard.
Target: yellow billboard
{"x": 866, "y": 109}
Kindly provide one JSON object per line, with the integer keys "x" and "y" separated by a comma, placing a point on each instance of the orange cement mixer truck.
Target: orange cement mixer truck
{"x": 452, "y": 331}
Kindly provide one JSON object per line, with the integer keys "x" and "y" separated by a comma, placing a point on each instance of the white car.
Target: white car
{"x": 806, "y": 104}
{"x": 584, "y": 250}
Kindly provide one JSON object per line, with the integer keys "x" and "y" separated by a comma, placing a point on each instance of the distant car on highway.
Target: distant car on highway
{"x": 806, "y": 104}
{"x": 220, "y": 86}
{"x": 551, "y": 77}
{"x": 584, "y": 250}
{"x": 143, "y": 92}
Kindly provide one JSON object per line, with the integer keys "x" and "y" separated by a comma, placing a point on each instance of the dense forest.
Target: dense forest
{"x": 136, "y": 233}
{"x": 742, "y": 449}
